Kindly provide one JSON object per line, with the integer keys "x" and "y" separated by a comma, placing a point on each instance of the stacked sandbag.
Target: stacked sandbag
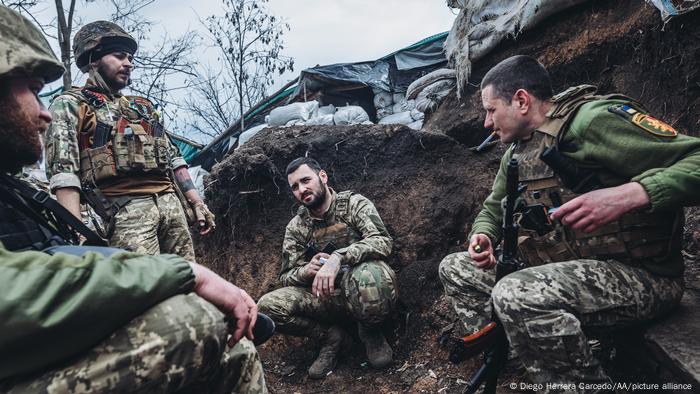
{"x": 412, "y": 119}
{"x": 292, "y": 114}
{"x": 401, "y": 104}
{"x": 430, "y": 89}
{"x": 383, "y": 102}
{"x": 351, "y": 114}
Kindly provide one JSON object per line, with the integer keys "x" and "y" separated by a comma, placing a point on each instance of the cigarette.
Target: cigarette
{"x": 486, "y": 141}
{"x": 477, "y": 248}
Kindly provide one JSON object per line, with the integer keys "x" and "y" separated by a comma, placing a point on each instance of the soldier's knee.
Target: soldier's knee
{"x": 447, "y": 266}
{"x": 518, "y": 291}
{"x": 278, "y": 305}
{"x": 370, "y": 291}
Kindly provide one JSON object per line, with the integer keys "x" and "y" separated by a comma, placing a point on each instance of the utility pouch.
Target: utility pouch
{"x": 97, "y": 164}
{"x": 160, "y": 151}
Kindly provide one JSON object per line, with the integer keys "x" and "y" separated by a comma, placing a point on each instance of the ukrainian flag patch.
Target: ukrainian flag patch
{"x": 644, "y": 121}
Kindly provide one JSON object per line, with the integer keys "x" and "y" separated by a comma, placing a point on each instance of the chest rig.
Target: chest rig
{"x": 636, "y": 236}
{"x": 338, "y": 232}
{"x": 119, "y": 138}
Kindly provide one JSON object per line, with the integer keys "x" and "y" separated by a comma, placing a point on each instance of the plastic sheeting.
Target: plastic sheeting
{"x": 483, "y": 24}
{"x": 671, "y": 8}
{"x": 352, "y": 114}
{"x": 197, "y": 173}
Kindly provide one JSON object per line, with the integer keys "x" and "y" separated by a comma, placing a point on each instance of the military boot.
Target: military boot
{"x": 331, "y": 343}
{"x": 379, "y": 352}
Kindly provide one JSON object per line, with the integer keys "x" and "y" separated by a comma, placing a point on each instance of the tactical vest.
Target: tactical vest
{"x": 134, "y": 143}
{"x": 635, "y": 236}
{"x": 340, "y": 234}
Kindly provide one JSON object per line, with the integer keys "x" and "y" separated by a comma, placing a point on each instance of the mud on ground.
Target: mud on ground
{"x": 428, "y": 186}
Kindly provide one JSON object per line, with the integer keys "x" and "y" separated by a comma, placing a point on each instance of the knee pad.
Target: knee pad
{"x": 370, "y": 291}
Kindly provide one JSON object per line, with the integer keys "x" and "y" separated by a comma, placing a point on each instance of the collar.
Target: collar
{"x": 96, "y": 83}
{"x": 329, "y": 214}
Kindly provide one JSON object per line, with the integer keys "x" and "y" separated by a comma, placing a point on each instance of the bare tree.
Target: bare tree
{"x": 249, "y": 41}
{"x": 155, "y": 63}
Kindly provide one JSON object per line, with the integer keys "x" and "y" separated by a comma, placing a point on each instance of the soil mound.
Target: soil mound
{"x": 428, "y": 186}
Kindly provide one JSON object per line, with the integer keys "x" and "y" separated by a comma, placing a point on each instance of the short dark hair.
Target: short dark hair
{"x": 518, "y": 72}
{"x": 300, "y": 161}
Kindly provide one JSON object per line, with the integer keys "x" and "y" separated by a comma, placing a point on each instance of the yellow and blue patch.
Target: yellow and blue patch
{"x": 644, "y": 121}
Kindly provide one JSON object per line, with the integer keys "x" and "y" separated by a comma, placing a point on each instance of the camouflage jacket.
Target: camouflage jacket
{"x": 665, "y": 164}
{"x": 58, "y": 306}
{"x": 62, "y": 149}
{"x": 372, "y": 241}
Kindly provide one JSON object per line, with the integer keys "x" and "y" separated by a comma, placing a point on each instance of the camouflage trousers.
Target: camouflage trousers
{"x": 367, "y": 294}
{"x": 544, "y": 309}
{"x": 178, "y": 345}
{"x": 153, "y": 225}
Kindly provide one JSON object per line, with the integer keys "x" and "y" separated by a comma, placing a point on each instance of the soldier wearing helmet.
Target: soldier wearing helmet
{"x": 106, "y": 321}
{"x": 115, "y": 149}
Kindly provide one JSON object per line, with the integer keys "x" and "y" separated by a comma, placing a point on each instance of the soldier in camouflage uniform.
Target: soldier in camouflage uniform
{"x": 99, "y": 323}
{"x": 115, "y": 144}
{"x": 333, "y": 270}
{"x": 613, "y": 257}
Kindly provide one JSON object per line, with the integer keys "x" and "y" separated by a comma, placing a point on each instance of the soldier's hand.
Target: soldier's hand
{"x": 240, "y": 310}
{"x": 591, "y": 210}
{"x": 324, "y": 282}
{"x": 311, "y": 269}
{"x": 481, "y": 251}
{"x": 205, "y": 219}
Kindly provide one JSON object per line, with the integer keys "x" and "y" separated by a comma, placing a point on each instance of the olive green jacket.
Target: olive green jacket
{"x": 53, "y": 307}
{"x": 667, "y": 167}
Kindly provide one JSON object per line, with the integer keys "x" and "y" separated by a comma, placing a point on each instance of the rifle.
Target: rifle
{"x": 492, "y": 338}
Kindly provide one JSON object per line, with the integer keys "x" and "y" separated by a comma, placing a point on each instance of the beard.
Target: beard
{"x": 319, "y": 197}
{"x": 21, "y": 143}
{"x": 110, "y": 80}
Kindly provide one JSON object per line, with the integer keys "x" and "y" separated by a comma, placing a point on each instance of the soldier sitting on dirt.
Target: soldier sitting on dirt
{"x": 333, "y": 270}
{"x": 612, "y": 256}
{"x": 89, "y": 322}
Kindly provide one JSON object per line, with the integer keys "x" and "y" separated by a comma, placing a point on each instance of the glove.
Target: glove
{"x": 205, "y": 219}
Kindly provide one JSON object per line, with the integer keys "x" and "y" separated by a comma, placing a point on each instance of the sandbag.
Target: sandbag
{"x": 248, "y": 134}
{"x": 351, "y": 114}
{"x": 428, "y": 79}
{"x": 382, "y": 100}
{"x": 432, "y": 95}
{"x": 398, "y": 97}
{"x": 320, "y": 120}
{"x": 405, "y": 117}
{"x": 405, "y": 105}
{"x": 326, "y": 110}
{"x": 417, "y": 125}
{"x": 281, "y": 116}
{"x": 384, "y": 112}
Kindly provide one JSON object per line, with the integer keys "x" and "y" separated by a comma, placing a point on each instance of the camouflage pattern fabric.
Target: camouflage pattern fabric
{"x": 90, "y": 36}
{"x": 367, "y": 294}
{"x": 356, "y": 229}
{"x": 178, "y": 345}
{"x": 153, "y": 225}
{"x": 24, "y": 50}
{"x": 62, "y": 149}
{"x": 544, "y": 309}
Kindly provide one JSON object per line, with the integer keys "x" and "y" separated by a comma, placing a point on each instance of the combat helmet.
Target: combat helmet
{"x": 98, "y": 39}
{"x": 24, "y": 51}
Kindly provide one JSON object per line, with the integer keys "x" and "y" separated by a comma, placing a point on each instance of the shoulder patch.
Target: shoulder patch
{"x": 644, "y": 121}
